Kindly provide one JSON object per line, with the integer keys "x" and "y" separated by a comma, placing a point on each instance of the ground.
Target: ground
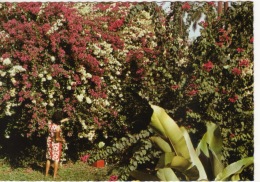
{"x": 78, "y": 171}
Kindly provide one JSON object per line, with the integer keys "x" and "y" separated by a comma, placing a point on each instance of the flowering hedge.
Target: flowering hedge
{"x": 95, "y": 61}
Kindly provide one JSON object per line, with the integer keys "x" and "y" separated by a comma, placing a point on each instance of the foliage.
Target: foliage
{"x": 102, "y": 62}
{"x": 180, "y": 156}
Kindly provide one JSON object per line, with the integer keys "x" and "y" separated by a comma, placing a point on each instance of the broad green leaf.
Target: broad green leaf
{"x": 194, "y": 158}
{"x": 162, "y": 144}
{"x": 180, "y": 163}
{"x": 172, "y": 131}
{"x": 165, "y": 160}
{"x": 167, "y": 174}
{"x": 142, "y": 176}
{"x": 235, "y": 168}
{"x": 211, "y": 147}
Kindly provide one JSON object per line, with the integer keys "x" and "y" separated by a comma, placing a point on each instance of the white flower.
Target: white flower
{"x": 43, "y": 79}
{"x": 44, "y": 104}
{"x": 13, "y": 81}
{"x": 80, "y": 97}
{"x": 2, "y": 73}
{"x": 40, "y": 75}
{"x": 1, "y": 84}
{"x": 51, "y": 104}
{"x": 53, "y": 58}
{"x": 107, "y": 103}
{"x": 50, "y": 96}
{"x": 68, "y": 87}
{"x": 34, "y": 101}
{"x": 7, "y": 61}
{"x": 18, "y": 68}
{"x": 7, "y": 136}
{"x": 101, "y": 144}
{"x": 89, "y": 101}
{"x": 49, "y": 77}
{"x": 88, "y": 75}
{"x": 12, "y": 92}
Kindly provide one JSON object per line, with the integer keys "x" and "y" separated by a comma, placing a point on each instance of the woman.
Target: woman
{"x": 54, "y": 142}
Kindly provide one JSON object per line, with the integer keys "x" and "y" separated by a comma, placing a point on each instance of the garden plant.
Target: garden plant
{"x": 109, "y": 65}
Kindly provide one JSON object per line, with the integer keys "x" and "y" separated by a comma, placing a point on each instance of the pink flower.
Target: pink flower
{"x": 204, "y": 24}
{"x": 239, "y": 50}
{"x": 244, "y": 62}
{"x": 233, "y": 99}
{"x": 208, "y": 66}
{"x": 186, "y": 6}
{"x": 192, "y": 92}
{"x": 232, "y": 135}
{"x": 211, "y": 3}
{"x": 220, "y": 44}
{"x": 236, "y": 71}
{"x": 175, "y": 87}
{"x": 252, "y": 40}
{"x": 113, "y": 178}
{"x": 85, "y": 158}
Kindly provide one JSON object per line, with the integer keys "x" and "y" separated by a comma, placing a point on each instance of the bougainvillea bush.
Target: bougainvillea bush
{"x": 101, "y": 63}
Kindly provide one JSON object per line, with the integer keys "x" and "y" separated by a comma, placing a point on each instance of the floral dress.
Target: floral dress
{"x": 53, "y": 148}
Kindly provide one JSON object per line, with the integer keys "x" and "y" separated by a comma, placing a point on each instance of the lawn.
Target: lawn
{"x": 78, "y": 171}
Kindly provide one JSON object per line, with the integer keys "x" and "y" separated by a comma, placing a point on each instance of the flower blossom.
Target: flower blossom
{"x": 89, "y": 101}
{"x": 239, "y": 50}
{"x": 233, "y": 99}
{"x": 80, "y": 97}
{"x": 236, "y": 71}
{"x": 244, "y": 62}
{"x": 85, "y": 158}
{"x": 208, "y": 66}
{"x": 7, "y": 61}
{"x": 113, "y": 178}
{"x": 186, "y": 6}
{"x": 175, "y": 87}
{"x": 192, "y": 92}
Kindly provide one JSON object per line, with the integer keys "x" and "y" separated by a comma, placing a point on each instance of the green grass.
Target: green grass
{"x": 78, "y": 171}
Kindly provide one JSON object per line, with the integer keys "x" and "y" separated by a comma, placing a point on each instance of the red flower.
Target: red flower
{"x": 211, "y": 3}
{"x": 221, "y": 30}
{"x": 232, "y": 135}
{"x": 113, "y": 178}
{"x": 252, "y": 40}
{"x": 239, "y": 50}
{"x": 175, "y": 87}
{"x": 220, "y": 44}
{"x": 233, "y": 99}
{"x": 204, "y": 24}
{"x": 84, "y": 158}
{"x": 244, "y": 62}
{"x": 236, "y": 71}
{"x": 192, "y": 92}
{"x": 186, "y": 6}
{"x": 208, "y": 66}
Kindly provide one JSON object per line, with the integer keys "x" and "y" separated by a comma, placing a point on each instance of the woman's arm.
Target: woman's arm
{"x": 58, "y": 137}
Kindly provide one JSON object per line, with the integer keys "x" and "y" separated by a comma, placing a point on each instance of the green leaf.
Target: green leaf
{"x": 162, "y": 144}
{"x": 235, "y": 168}
{"x": 171, "y": 130}
{"x": 167, "y": 174}
{"x": 194, "y": 158}
{"x": 165, "y": 160}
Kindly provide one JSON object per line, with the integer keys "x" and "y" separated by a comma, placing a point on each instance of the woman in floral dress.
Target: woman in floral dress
{"x": 54, "y": 142}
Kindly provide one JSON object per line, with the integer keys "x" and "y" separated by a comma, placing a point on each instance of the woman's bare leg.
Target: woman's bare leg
{"x": 56, "y": 166}
{"x": 48, "y": 163}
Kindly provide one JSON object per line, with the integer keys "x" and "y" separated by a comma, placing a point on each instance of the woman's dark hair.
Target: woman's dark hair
{"x": 57, "y": 117}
